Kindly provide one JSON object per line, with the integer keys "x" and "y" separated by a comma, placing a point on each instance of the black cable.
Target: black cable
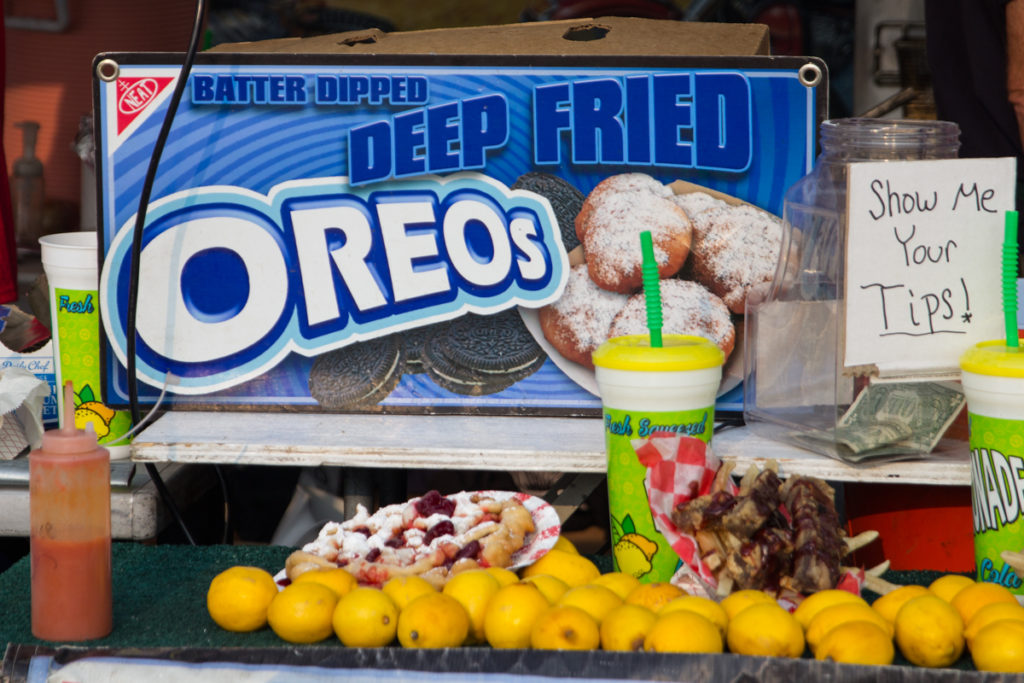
{"x": 140, "y": 221}
{"x": 227, "y": 532}
{"x": 728, "y": 421}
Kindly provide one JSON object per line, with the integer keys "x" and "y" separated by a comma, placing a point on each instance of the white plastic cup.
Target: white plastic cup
{"x": 992, "y": 375}
{"x": 70, "y": 263}
{"x": 673, "y": 387}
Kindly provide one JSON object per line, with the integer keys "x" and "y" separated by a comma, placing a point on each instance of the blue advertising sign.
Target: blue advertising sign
{"x": 335, "y": 233}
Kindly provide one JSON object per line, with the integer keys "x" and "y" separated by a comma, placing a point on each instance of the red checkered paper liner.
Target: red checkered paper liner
{"x": 679, "y": 469}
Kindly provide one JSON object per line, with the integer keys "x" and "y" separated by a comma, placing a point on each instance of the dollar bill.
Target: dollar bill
{"x": 925, "y": 408}
{"x": 888, "y": 422}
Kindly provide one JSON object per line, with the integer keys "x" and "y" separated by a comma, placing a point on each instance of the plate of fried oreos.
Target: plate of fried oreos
{"x": 712, "y": 250}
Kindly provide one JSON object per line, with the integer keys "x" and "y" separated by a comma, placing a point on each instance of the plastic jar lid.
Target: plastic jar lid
{"x": 994, "y": 358}
{"x": 678, "y": 352}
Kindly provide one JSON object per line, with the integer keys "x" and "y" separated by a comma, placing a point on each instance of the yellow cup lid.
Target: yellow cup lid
{"x": 678, "y": 352}
{"x": 994, "y": 358}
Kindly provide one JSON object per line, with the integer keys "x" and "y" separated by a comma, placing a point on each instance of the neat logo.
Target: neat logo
{"x": 233, "y": 281}
{"x": 134, "y": 95}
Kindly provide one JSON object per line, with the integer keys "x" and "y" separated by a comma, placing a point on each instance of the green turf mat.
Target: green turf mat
{"x": 160, "y": 597}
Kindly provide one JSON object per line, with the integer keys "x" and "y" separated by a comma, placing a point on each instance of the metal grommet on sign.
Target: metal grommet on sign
{"x": 810, "y": 75}
{"x": 108, "y": 70}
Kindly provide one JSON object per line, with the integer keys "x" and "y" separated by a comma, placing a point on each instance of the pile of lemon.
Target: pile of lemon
{"x": 563, "y": 602}
{"x": 930, "y": 625}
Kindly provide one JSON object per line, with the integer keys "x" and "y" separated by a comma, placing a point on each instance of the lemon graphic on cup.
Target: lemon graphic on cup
{"x": 94, "y": 412}
{"x": 632, "y": 551}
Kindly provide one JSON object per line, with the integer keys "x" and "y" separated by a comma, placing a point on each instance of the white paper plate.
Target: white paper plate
{"x": 732, "y": 373}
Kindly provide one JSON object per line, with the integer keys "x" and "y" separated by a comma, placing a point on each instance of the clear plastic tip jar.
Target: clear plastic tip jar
{"x": 796, "y": 389}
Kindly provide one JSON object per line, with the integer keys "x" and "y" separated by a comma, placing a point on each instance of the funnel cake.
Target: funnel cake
{"x": 432, "y": 536}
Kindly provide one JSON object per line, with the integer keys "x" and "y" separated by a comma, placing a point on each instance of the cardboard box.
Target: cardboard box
{"x": 601, "y": 37}
{"x": 370, "y": 221}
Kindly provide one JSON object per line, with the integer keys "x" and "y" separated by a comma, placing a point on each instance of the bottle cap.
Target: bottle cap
{"x": 68, "y": 439}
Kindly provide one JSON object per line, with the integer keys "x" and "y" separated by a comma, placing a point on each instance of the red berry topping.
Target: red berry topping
{"x": 432, "y": 503}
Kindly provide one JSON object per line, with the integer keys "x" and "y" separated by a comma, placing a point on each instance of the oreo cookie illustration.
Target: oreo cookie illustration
{"x": 477, "y": 354}
{"x": 413, "y": 341}
{"x": 357, "y": 376}
{"x": 565, "y": 199}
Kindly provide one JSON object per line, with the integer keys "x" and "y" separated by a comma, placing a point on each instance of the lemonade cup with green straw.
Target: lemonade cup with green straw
{"x": 650, "y": 383}
{"x": 992, "y": 374}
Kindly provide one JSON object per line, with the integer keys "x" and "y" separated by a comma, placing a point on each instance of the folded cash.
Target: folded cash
{"x": 926, "y": 409}
{"x": 890, "y": 421}
{"x": 824, "y": 442}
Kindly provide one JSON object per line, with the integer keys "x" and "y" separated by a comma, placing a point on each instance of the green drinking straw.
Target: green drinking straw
{"x": 1010, "y": 279}
{"x": 652, "y": 288}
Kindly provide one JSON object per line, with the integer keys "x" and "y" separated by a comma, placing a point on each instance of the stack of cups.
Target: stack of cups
{"x": 993, "y": 379}
{"x": 672, "y": 386}
{"x": 71, "y": 266}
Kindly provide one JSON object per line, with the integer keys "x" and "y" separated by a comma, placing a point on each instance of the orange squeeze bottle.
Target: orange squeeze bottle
{"x": 69, "y": 514}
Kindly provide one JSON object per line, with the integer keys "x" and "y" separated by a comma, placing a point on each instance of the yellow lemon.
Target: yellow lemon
{"x": 736, "y": 602}
{"x": 655, "y": 595}
{"x": 830, "y": 617}
{"x": 889, "y": 604}
{"x": 999, "y": 647}
{"x": 971, "y": 599}
{"x": 857, "y": 642}
{"x": 551, "y": 586}
{"x": 767, "y": 630}
{"x": 337, "y": 579}
{"x": 948, "y": 585}
{"x": 503, "y": 575}
{"x": 620, "y": 582}
{"x": 929, "y": 631}
{"x": 706, "y": 607}
{"x": 366, "y": 617}
{"x": 404, "y": 589}
{"x": 595, "y": 600}
{"x": 238, "y": 598}
{"x": 816, "y": 602}
{"x": 563, "y": 543}
{"x": 625, "y": 627}
{"x": 572, "y": 568}
{"x": 683, "y": 631}
{"x": 564, "y": 627}
{"x": 473, "y": 589}
{"x": 433, "y": 620}
{"x": 302, "y": 612}
{"x": 997, "y": 611}
{"x": 511, "y": 613}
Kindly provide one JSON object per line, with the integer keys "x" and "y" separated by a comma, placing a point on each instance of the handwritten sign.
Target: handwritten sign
{"x": 923, "y": 262}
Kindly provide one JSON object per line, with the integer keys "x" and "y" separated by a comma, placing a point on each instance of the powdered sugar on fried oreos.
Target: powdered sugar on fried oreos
{"x": 737, "y": 251}
{"x": 701, "y": 208}
{"x": 687, "y": 308}
{"x": 579, "y": 321}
